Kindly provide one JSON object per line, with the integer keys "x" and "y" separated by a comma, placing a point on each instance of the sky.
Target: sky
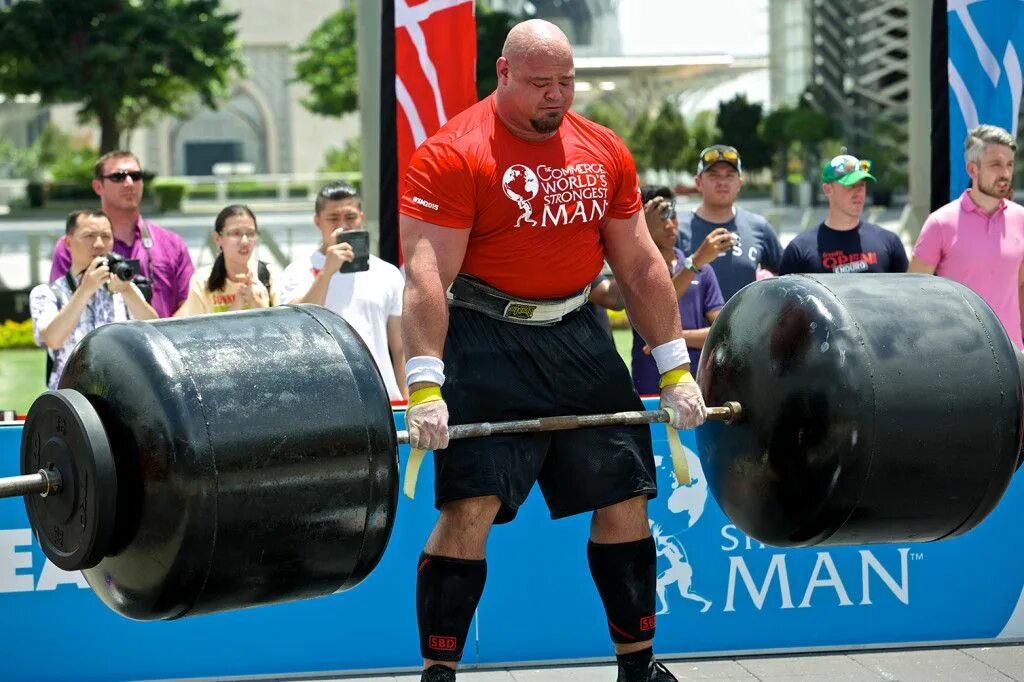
{"x": 662, "y": 27}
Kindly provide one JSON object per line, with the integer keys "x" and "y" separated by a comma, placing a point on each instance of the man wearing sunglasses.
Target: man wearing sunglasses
{"x": 978, "y": 238}
{"x": 844, "y": 243}
{"x": 164, "y": 259}
{"x": 742, "y": 241}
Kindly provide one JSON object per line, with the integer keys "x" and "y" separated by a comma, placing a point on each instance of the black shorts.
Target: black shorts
{"x": 500, "y": 371}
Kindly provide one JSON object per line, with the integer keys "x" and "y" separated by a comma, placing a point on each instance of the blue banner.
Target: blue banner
{"x": 719, "y": 592}
{"x": 986, "y": 45}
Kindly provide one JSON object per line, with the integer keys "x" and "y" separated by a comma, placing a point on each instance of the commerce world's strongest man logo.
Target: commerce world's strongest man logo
{"x": 521, "y": 185}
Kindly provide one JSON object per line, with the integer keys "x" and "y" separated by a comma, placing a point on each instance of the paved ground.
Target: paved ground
{"x": 964, "y": 664}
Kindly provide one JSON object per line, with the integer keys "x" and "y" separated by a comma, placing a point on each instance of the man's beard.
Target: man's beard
{"x": 548, "y": 124}
{"x": 993, "y": 191}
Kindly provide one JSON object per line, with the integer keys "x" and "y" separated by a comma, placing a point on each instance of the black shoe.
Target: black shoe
{"x": 659, "y": 673}
{"x": 442, "y": 673}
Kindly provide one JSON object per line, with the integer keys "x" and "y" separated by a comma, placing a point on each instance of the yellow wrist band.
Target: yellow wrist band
{"x": 675, "y": 376}
{"x": 424, "y": 395}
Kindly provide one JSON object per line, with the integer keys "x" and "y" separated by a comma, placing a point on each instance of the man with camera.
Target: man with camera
{"x": 165, "y": 264}
{"x": 95, "y": 290}
{"x": 346, "y": 279}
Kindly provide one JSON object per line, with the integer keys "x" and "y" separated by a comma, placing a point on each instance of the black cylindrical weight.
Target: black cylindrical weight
{"x": 877, "y": 408}
{"x": 256, "y": 459}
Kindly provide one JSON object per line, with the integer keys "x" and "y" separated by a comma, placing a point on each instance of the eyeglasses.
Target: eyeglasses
{"x": 844, "y": 164}
{"x": 710, "y": 156}
{"x": 239, "y": 236}
{"x": 121, "y": 176}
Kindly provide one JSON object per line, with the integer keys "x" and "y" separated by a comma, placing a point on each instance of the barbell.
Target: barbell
{"x": 202, "y": 464}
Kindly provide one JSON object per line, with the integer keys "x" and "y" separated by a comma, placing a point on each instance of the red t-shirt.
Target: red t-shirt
{"x": 535, "y": 208}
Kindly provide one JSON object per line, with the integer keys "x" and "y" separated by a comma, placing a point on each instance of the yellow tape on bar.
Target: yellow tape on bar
{"x": 412, "y": 472}
{"x": 675, "y": 447}
{"x": 412, "y": 467}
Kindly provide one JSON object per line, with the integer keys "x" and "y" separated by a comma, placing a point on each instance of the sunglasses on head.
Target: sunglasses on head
{"x": 844, "y": 164}
{"x": 121, "y": 176}
{"x": 714, "y": 155}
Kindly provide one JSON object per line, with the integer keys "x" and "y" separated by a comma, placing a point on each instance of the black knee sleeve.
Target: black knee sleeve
{"x": 447, "y": 592}
{"x": 626, "y": 577}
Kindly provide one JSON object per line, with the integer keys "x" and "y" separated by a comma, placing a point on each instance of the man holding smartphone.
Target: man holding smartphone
{"x": 344, "y": 277}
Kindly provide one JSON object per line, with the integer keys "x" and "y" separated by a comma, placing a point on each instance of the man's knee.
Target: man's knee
{"x": 463, "y": 526}
{"x": 622, "y": 522}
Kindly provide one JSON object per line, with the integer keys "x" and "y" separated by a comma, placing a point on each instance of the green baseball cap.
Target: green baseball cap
{"x": 846, "y": 170}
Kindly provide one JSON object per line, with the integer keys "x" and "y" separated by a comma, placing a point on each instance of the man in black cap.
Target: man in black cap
{"x": 744, "y": 241}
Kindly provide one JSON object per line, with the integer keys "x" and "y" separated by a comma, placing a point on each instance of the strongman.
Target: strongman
{"x": 508, "y": 212}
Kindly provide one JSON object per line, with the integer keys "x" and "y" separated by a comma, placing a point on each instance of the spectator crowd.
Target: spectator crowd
{"x": 113, "y": 265}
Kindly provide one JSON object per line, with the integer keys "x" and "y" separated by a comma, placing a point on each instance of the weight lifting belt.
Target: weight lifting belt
{"x": 626, "y": 576}
{"x": 447, "y": 592}
{"x": 469, "y": 292}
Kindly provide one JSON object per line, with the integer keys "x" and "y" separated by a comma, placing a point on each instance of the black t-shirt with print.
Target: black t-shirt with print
{"x": 865, "y": 248}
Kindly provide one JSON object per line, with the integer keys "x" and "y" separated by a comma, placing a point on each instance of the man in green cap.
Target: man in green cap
{"x": 844, "y": 243}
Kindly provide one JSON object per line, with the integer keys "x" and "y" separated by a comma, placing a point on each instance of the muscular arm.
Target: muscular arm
{"x": 394, "y": 330}
{"x": 917, "y": 265}
{"x": 433, "y": 256}
{"x": 643, "y": 278}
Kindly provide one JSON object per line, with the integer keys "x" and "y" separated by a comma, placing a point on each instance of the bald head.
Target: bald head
{"x": 536, "y": 38}
{"x": 536, "y": 79}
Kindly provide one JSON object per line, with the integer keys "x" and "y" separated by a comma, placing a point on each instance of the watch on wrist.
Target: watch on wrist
{"x": 690, "y": 265}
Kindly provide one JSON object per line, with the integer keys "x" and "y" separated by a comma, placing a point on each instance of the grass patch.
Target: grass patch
{"x": 21, "y": 377}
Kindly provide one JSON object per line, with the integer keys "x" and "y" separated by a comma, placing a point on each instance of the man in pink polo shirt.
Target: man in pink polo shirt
{"x": 978, "y": 239}
{"x": 163, "y": 257}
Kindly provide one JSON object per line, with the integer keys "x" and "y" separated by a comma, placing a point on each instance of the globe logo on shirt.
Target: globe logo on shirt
{"x": 521, "y": 185}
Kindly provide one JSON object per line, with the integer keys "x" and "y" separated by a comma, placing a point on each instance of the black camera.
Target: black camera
{"x": 125, "y": 269}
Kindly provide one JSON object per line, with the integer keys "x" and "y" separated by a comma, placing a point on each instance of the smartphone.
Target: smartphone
{"x": 360, "y": 241}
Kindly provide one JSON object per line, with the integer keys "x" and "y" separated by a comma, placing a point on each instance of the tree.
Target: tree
{"x": 774, "y": 134}
{"x": 327, "y": 65}
{"x": 607, "y": 114}
{"x": 667, "y": 134}
{"x": 739, "y": 120}
{"x": 344, "y": 159}
{"x": 119, "y": 59}
{"x": 491, "y": 28}
{"x": 703, "y": 133}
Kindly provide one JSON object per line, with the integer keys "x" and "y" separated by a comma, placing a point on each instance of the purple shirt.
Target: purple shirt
{"x": 983, "y": 252}
{"x": 702, "y": 297}
{"x": 172, "y": 264}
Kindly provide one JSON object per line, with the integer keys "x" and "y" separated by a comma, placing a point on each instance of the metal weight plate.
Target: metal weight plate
{"x": 74, "y": 525}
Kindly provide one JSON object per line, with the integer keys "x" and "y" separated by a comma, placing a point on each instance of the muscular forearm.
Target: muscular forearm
{"x": 424, "y": 318}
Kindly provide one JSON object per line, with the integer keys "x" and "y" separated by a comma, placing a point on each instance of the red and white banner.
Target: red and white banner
{"x": 435, "y": 69}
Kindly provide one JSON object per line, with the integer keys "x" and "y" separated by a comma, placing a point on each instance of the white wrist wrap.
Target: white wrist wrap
{"x": 670, "y": 355}
{"x": 424, "y": 368}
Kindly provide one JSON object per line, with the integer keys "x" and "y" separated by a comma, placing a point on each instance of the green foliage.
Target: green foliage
{"x": 703, "y": 133}
{"x": 342, "y": 159}
{"x": 609, "y": 115}
{"x": 119, "y": 59}
{"x": 75, "y": 165}
{"x": 169, "y": 194}
{"x": 16, "y": 334}
{"x": 739, "y": 120}
{"x": 491, "y": 28}
{"x": 326, "y": 63}
{"x": 638, "y": 141}
{"x": 887, "y": 150}
{"x": 666, "y": 135}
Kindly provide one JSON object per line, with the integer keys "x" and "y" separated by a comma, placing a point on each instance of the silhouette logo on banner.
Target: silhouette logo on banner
{"x": 740, "y": 574}
{"x": 687, "y": 501}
